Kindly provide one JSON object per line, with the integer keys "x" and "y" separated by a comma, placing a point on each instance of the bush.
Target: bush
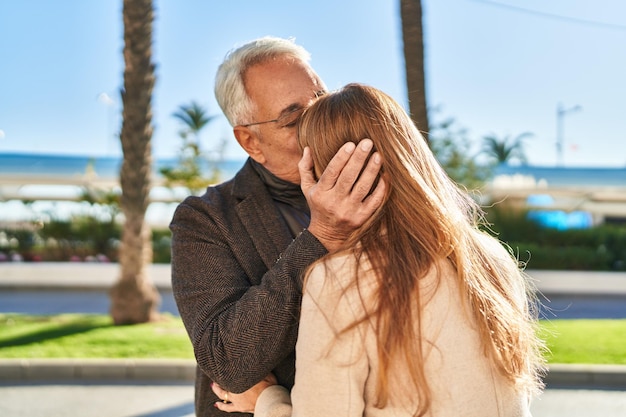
{"x": 80, "y": 239}
{"x": 161, "y": 246}
{"x": 601, "y": 248}
{"x": 576, "y": 258}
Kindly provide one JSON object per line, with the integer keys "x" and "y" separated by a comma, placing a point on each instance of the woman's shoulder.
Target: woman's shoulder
{"x": 340, "y": 278}
{"x": 341, "y": 269}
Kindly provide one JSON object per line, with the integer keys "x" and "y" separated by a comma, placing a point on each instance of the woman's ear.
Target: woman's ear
{"x": 249, "y": 141}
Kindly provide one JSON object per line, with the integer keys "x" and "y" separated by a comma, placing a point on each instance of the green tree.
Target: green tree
{"x": 106, "y": 199}
{"x": 190, "y": 172}
{"x": 194, "y": 117}
{"x": 505, "y": 149}
{"x": 134, "y": 298}
{"x": 101, "y": 224}
{"x": 452, "y": 148}
{"x": 413, "y": 41}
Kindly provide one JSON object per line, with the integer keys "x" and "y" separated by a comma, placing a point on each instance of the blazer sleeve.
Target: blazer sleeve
{"x": 240, "y": 328}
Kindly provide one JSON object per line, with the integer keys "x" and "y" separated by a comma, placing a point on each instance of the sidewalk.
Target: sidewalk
{"x": 101, "y": 276}
{"x": 77, "y": 370}
{"x": 25, "y": 370}
{"x": 51, "y": 276}
{"x": 71, "y": 275}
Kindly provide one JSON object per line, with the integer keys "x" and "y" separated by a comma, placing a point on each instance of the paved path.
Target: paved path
{"x": 55, "y": 288}
{"x": 580, "y": 306}
{"x": 96, "y": 301}
{"x": 151, "y": 399}
{"x": 95, "y": 275}
{"x": 59, "y": 301}
{"x": 115, "y": 399}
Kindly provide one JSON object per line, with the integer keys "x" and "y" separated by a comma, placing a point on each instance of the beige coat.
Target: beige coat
{"x": 337, "y": 377}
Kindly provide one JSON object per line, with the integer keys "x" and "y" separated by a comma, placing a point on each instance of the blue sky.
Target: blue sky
{"x": 496, "y": 67}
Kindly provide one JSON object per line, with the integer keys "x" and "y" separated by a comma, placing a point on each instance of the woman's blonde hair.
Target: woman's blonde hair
{"x": 424, "y": 219}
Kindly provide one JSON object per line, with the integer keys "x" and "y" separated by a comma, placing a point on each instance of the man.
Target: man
{"x": 238, "y": 252}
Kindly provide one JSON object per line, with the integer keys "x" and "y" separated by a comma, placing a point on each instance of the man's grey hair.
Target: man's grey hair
{"x": 230, "y": 90}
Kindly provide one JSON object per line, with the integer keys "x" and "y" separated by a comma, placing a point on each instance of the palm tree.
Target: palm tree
{"x": 506, "y": 149}
{"x": 452, "y": 147}
{"x": 194, "y": 117}
{"x": 413, "y": 39}
{"x": 134, "y": 299}
{"x": 189, "y": 172}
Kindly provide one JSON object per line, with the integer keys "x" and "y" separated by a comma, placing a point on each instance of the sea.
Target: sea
{"x": 20, "y": 173}
{"x": 104, "y": 166}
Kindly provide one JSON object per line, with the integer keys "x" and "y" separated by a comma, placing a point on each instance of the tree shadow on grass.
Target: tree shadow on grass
{"x": 60, "y": 329}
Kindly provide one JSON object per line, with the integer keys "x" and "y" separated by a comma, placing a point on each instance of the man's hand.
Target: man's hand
{"x": 339, "y": 201}
{"x": 244, "y": 402}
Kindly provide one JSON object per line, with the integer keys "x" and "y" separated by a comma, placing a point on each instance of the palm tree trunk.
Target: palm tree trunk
{"x": 412, "y": 35}
{"x": 134, "y": 299}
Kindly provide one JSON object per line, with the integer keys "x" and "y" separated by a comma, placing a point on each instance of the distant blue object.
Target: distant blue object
{"x": 561, "y": 220}
{"x": 540, "y": 200}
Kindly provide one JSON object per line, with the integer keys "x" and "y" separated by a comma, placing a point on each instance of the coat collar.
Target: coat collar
{"x": 259, "y": 215}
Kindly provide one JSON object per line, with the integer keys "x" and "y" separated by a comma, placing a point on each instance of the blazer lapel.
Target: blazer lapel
{"x": 260, "y": 217}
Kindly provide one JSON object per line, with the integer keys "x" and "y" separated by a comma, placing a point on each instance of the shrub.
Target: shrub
{"x": 80, "y": 239}
{"x": 597, "y": 248}
{"x": 85, "y": 238}
{"x": 161, "y": 246}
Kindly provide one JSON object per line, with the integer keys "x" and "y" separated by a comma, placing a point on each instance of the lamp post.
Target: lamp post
{"x": 560, "y": 113}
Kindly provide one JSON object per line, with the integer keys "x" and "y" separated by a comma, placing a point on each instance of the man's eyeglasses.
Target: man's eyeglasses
{"x": 286, "y": 120}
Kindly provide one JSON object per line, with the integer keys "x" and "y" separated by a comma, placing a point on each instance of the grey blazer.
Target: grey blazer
{"x": 237, "y": 282}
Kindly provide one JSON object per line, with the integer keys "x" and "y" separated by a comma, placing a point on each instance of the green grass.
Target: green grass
{"x": 95, "y": 336}
{"x": 90, "y": 336}
{"x": 585, "y": 341}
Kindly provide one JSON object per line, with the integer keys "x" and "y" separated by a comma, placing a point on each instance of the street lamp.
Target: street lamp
{"x": 560, "y": 113}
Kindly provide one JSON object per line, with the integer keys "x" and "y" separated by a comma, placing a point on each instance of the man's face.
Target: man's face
{"x": 279, "y": 89}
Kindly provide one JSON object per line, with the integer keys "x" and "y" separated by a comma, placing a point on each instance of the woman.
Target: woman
{"x": 420, "y": 313}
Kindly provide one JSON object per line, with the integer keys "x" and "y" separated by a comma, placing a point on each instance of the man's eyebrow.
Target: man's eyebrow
{"x": 290, "y": 109}
{"x": 295, "y": 106}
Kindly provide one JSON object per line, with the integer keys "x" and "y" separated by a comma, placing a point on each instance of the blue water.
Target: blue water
{"x": 108, "y": 167}
{"x": 569, "y": 176}
{"x": 103, "y": 166}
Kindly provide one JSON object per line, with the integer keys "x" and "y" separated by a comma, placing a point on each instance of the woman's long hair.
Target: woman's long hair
{"x": 425, "y": 218}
